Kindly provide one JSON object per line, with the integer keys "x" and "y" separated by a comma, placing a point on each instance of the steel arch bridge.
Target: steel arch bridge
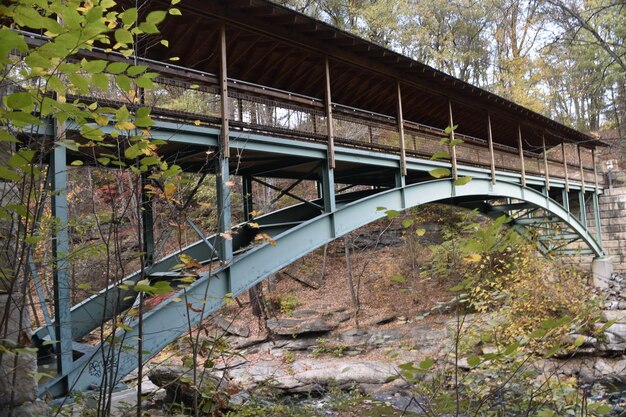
{"x": 298, "y": 230}
{"x": 285, "y": 96}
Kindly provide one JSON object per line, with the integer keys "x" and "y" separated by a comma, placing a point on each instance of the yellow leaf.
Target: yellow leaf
{"x": 254, "y": 225}
{"x": 197, "y": 123}
{"x": 473, "y": 258}
{"x": 102, "y": 120}
{"x": 124, "y": 125}
{"x": 420, "y": 232}
{"x": 169, "y": 189}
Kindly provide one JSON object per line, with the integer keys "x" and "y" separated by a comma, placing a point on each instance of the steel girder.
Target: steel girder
{"x": 170, "y": 319}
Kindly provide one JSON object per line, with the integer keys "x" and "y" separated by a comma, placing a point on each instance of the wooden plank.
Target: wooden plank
{"x": 492, "y": 156}
{"x": 545, "y": 162}
{"x": 401, "y": 131}
{"x": 520, "y": 147}
{"x": 225, "y": 148}
{"x": 329, "y": 117}
{"x": 455, "y": 174}
{"x": 565, "y": 166}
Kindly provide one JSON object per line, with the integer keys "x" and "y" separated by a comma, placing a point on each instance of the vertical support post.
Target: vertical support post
{"x": 520, "y": 146}
{"x": 328, "y": 188}
{"x": 60, "y": 253}
{"x": 455, "y": 173}
{"x": 582, "y": 170}
{"x": 248, "y": 204}
{"x": 401, "y": 131}
{"x": 545, "y": 163}
{"x": 225, "y": 133}
{"x": 595, "y": 170}
{"x": 329, "y": 116}
{"x": 492, "y": 157}
{"x": 147, "y": 222}
{"x": 565, "y": 197}
{"x": 565, "y": 166}
{"x": 583, "y": 208}
{"x": 224, "y": 240}
{"x": 598, "y": 220}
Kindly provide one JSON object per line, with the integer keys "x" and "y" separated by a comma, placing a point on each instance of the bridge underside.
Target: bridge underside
{"x": 552, "y": 213}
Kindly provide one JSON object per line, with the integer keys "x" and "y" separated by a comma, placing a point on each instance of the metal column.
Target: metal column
{"x": 60, "y": 253}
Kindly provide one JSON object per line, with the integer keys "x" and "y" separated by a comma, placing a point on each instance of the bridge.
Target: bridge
{"x": 264, "y": 92}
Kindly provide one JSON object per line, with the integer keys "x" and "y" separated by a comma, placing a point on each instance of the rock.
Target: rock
{"x": 618, "y": 315}
{"x": 242, "y": 343}
{"x": 618, "y": 330}
{"x": 342, "y": 316}
{"x": 16, "y": 332}
{"x": 295, "y": 327}
{"x": 588, "y": 341}
{"x": 379, "y": 321}
{"x": 304, "y": 313}
{"x": 177, "y": 382}
{"x": 388, "y": 389}
{"x": 36, "y": 408}
{"x": 301, "y": 343}
{"x": 231, "y": 327}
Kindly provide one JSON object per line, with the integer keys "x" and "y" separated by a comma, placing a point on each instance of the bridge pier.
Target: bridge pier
{"x": 601, "y": 269}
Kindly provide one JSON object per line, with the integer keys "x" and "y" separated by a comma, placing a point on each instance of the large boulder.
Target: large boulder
{"x": 296, "y": 327}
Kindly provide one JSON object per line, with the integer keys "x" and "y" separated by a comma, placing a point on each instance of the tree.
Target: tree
{"x": 43, "y": 81}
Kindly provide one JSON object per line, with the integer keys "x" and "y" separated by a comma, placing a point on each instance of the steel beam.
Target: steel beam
{"x": 223, "y": 188}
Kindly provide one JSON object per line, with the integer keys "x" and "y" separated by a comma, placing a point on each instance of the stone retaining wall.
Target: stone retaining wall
{"x": 613, "y": 221}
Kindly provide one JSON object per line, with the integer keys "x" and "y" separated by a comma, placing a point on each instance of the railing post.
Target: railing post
{"x": 401, "y": 131}
{"x": 595, "y": 170}
{"x": 582, "y": 170}
{"x": 545, "y": 163}
{"x": 60, "y": 255}
{"x": 329, "y": 116}
{"x": 455, "y": 173}
{"x": 565, "y": 166}
{"x": 520, "y": 146}
{"x": 491, "y": 153}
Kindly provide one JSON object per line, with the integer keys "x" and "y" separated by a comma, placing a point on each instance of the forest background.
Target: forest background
{"x": 564, "y": 59}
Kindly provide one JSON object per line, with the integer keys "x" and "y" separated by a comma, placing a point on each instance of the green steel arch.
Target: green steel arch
{"x": 170, "y": 319}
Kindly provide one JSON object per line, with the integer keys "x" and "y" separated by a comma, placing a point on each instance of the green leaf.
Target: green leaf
{"x": 10, "y": 40}
{"x": 580, "y": 340}
{"x": 129, "y": 16}
{"x": 144, "y": 82}
{"x": 440, "y": 155}
{"x": 392, "y": 214}
{"x": 427, "y": 363}
{"x": 135, "y": 70}
{"x": 174, "y": 12}
{"x": 95, "y": 66}
{"x": 473, "y": 361}
{"x": 7, "y": 174}
{"x": 6, "y": 137}
{"x": 79, "y": 82}
{"x": 101, "y": 81}
{"x": 463, "y": 180}
{"x": 440, "y": 172}
{"x": 156, "y": 17}
{"x": 406, "y": 223}
{"x": 123, "y": 82}
{"x": 165, "y": 43}
{"x": 18, "y": 101}
{"x": 398, "y": 278}
{"x": 77, "y": 163}
{"x": 123, "y": 36}
{"x": 116, "y": 67}
{"x": 455, "y": 142}
{"x": 537, "y": 334}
